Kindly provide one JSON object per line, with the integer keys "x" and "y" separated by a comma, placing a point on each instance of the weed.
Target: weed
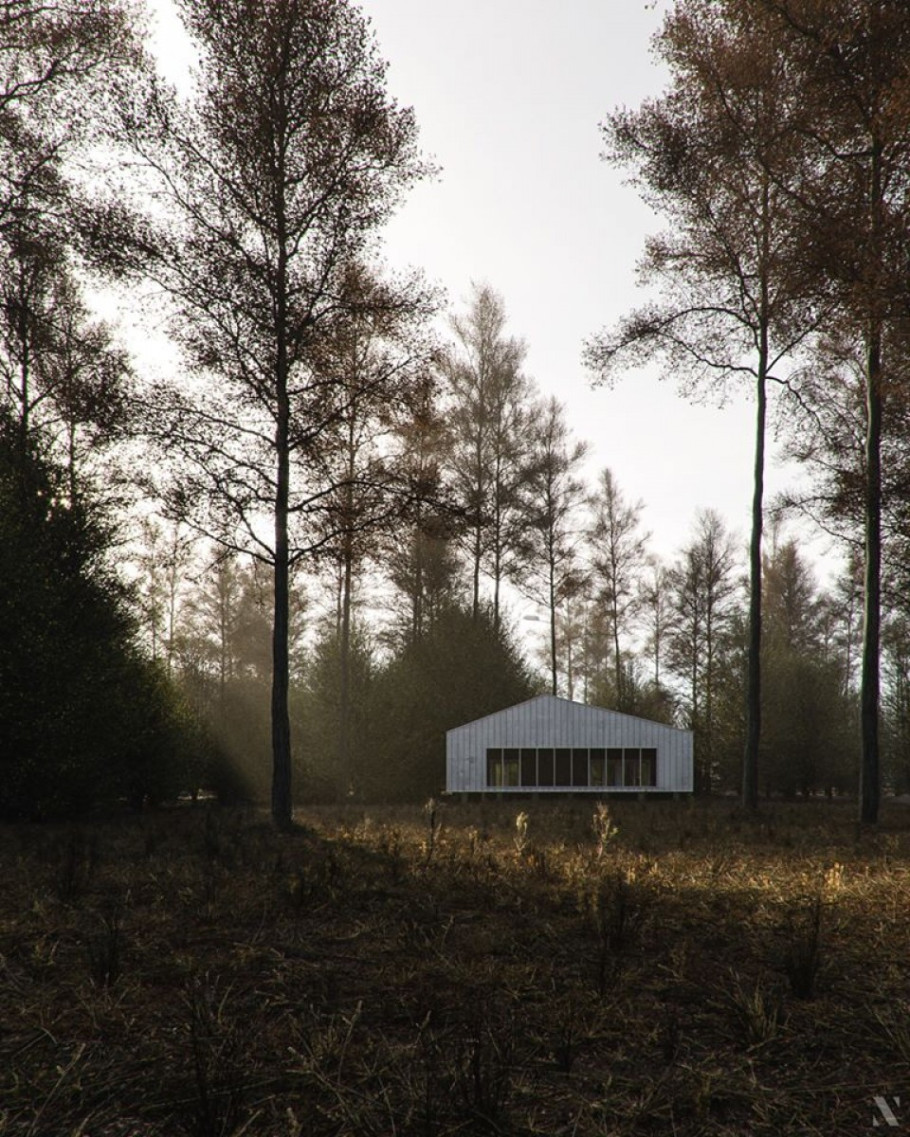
{"x": 425, "y": 929}
{"x": 758, "y": 1011}
{"x": 325, "y": 1046}
{"x": 537, "y": 858}
{"x": 613, "y": 911}
{"x": 434, "y": 828}
{"x": 221, "y": 837}
{"x": 483, "y": 1073}
{"x": 720, "y": 865}
{"x": 802, "y": 959}
{"x": 215, "y": 1060}
{"x": 521, "y": 833}
{"x": 573, "y": 1026}
{"x": 104, "y": 948}
{"x": 893, "y": 1023}
{"x": 65, "y": 1075}
{"x": 833, "y": 880}
{"x": 391, "y": 846}
{"x": 294, "y": 1124}
{"x": 669, "y": 1035}
{"x": 314, "y": 882}
{"x": 604, "y": 829}
{"x": 76, "y": 863}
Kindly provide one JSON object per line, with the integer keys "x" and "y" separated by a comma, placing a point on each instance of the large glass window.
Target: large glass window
{"x": 611, "y": 768}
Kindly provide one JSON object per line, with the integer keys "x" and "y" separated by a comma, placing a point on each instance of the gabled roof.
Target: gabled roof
{"x": 584, "y": 707}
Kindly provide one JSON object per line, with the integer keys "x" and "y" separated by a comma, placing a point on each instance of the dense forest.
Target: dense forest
{"x": 331, "y": 531}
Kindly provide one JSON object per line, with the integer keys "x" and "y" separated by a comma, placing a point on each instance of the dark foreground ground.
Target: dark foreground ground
{"x": 386, "y": 972}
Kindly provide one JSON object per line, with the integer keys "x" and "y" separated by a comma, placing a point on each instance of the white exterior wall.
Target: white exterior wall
{"x": 548, "y": 721}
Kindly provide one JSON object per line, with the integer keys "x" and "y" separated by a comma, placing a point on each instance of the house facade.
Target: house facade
{"x": 550, "y": 745}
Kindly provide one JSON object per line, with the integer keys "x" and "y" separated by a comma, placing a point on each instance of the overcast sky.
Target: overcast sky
{"x": 508, "y": 95}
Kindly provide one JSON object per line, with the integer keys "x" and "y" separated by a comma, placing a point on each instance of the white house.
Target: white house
{"x": 551, "y": 745}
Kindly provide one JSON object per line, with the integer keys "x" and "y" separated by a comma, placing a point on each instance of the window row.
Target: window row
{"x": 561, "y": 766}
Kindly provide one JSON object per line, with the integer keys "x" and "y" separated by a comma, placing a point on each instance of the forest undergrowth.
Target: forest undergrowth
{"x": 506, "y": 968}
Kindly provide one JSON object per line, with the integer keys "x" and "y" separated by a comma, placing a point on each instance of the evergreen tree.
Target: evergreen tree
{"x": 326, "y": 772}
{"x": 704, "y": 586}
{"x": 489, "y": 416}
{"x": 554, "y": 572}
{"x": 460, "y": 669}
{"x": 618, "y": 555}
{"x": 85, "y": 720}
{"x": 809, "y": 743}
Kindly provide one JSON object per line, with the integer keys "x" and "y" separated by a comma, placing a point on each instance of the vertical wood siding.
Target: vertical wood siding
{"x": 548, "y": 721}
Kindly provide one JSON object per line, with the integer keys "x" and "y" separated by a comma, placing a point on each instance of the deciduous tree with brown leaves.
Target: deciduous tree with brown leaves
{"x": 721, "y": 155}
{"x": 850, "y": 59}
{"x": 274, "y": 176}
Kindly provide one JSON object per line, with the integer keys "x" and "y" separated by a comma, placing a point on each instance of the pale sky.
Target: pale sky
{"x": 508, "y": 95}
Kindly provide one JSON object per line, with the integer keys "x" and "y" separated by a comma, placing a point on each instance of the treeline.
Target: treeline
{"x": 664, "y": 640}
{"x": 374, "y": 506}
{"x": 416, "y": 634}
{"x": 778, "y": 154}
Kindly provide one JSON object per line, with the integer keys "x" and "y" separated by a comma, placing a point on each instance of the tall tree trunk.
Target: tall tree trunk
{"x": 173, "y": 582}
{"x": 496, "y": 537}
{"x": 25, "y": 379}
{"x": 753, "y": 679}
{"x": 344, "y": 639}
{"x": 475, "y": 610}
{"x": 569, "y": 634}
{"x": 709, "y": 696}
{"x": 71, "y": 459}
{"x": 339, "y": 600}
{"x": 614, "y": 610}
{"x": 281, "y": 725}
{"x": 497, "y": 578}
{"x": 869, "y": 682}
{"x": 553, "y": 677}
{"x": 698, "y": 734}
{"x": 851, "y": 624}
{"x": 344, "y": 731}
{"x": 417, "y": 606}
{"x": 223, "y": 639}
{"x": 869, "y": 787}
{"x": 282, "y": 808}
{"x": 620, "y": 685}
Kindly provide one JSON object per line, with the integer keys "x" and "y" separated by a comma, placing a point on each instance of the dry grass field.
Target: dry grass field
{"x": 669, "y": 968}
